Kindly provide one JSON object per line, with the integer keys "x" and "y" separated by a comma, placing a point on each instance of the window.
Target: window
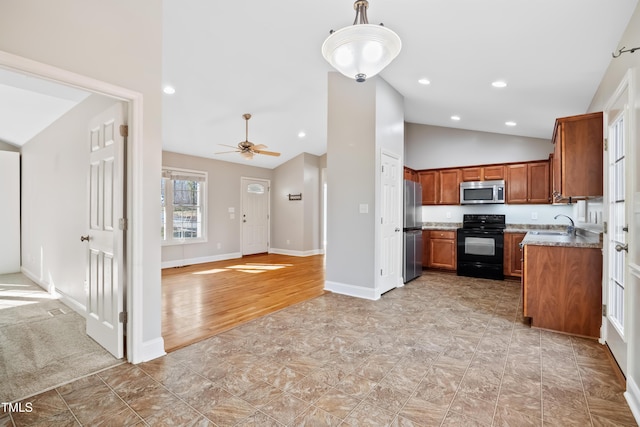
{"x": 182, "y": 217}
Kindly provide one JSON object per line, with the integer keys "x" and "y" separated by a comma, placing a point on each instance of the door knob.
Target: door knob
{"x": 621, "y": 248}
{"x": 84, "y": 238}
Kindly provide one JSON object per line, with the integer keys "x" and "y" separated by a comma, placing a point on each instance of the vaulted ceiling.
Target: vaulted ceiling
{"x": 225, "y": 59}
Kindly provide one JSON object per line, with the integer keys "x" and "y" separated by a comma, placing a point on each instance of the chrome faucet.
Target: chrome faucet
{"x": 570, "y": 229}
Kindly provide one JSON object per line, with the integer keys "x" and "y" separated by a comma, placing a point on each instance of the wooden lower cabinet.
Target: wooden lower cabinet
{"x": 441, "y": 251}
{"x": 513, "y": 254}
{"x": 562, "y": 288}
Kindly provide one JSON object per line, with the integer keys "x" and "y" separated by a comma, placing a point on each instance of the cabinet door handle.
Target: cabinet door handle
{"x": 621, "y": 248}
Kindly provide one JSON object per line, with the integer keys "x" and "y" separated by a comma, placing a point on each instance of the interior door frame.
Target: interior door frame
{"x": 134, "y": 248}
{"x": 622, "y": 92}
{"x": 242, "y": 189}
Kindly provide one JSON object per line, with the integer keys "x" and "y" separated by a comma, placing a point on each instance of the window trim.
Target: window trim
{"x": 170, "y": 174}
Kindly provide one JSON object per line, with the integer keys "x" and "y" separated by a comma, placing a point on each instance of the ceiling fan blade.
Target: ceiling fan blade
{"x": 247, "y": 154}
{"x": 225, "y": 145}
{"x": 225, "y": 152}
{"x": 259, "y": 146}
{"x": 268, "y": 153}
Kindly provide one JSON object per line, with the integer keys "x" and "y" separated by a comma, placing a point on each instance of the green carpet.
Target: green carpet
{"x": 43, "y": 342}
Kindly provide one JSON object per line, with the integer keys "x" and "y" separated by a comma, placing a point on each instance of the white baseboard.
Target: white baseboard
{"x": 296, "y": 253}
{"x": 633, "y": 398}
{"x": 351, "y": 290}
{"x": 199, "y": 260}
{"x": 150, "y": 350}
{"x": 73, "y": 304}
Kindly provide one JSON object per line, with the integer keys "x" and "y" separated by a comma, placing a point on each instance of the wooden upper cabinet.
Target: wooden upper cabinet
{"x": 491, "y": 173}
{"x": 538, "y": 182}
{"x": 430, "y": 182}
{"x": 449, "y": 187}
{"x": 471, "y": 174}
{"x": 516, "y": 183}
{"x": 411, "y": 175}
{"x": 578, "y": 156}
{"x": 482, "y": 173}
{"x": 528, "y": 183}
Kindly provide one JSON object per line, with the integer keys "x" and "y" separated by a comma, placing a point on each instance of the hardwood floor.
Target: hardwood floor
{"x": 202, "y": 300}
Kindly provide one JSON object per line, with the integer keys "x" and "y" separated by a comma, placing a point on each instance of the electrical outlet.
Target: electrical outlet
{"x": 534, "y": 215}
{"x": 219, "y": 245}
{"x": 448, "y": 214}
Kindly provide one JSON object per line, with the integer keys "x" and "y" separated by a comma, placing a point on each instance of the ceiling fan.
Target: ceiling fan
{"x": 247, "y": 148}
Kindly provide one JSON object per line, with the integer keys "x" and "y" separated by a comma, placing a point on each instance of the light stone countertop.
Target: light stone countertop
{"x": 583, "y": 239}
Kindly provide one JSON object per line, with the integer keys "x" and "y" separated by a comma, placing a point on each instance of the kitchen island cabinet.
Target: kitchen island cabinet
{"x": 562, "y": 288}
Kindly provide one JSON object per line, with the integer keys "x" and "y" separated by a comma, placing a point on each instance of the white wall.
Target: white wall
{"x": 119, "y": 42}
{"x": 55, "y": 167}
{"x": 431, "y": 147}
{"x": 351, "y": 161}
{"x": 514, "y": 214}
{"x": 9, "y": 212}
{"x": 612, "y": 78}
{"x": 223, "y": 192}
{"x": 296, "y": 223}
{"x": 363, "y": 119}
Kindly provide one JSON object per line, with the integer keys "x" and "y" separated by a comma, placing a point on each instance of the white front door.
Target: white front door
{"x": 105, "y": 290}
{"x": 255, "y": 216}
{"x": 391, "y": 224}
{"x": 616, "y": 243}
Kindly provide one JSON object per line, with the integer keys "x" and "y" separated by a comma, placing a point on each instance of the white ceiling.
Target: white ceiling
{"x": 229, "y": 58}
{"x": 28, "y": 105}
{"x": 259, "y": 57}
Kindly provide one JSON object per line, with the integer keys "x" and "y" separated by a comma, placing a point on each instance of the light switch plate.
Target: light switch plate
{"x": 364, "y": 208}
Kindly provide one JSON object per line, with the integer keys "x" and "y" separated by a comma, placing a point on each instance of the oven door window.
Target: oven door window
{"x": 480, "y": 246}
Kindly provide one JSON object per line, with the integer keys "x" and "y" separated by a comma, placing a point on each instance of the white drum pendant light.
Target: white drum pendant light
{"x": 361, "y": 50}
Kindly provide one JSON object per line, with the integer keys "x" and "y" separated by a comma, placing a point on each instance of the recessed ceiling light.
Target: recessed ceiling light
{"x": 510, "y": 123}
{"x": 456, "y": 118}
{"x": 169, "y": 90}
{"x": 424, "y": 81}
{"x": 499, "y": 83}
{"x": 301, "y": 134}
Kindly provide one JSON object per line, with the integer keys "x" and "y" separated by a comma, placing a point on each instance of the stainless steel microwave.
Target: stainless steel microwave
{"x": 477, "y": 192}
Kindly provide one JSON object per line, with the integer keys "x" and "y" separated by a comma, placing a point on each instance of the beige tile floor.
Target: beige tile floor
{"x": 441, "y": 351}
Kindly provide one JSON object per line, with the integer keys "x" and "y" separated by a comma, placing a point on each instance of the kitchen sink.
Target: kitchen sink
{"x": 549, "y": 233}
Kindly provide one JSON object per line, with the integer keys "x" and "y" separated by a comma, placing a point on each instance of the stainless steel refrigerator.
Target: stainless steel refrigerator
{"x": 412, "y": 231}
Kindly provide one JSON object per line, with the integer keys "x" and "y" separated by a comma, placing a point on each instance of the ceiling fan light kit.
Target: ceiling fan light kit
{"x": 247, "y": 148}
{"x": 361, "y": 50}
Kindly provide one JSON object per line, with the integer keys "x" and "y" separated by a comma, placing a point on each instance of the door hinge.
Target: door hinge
{"x": 604, "y": 310}
{"x": 123, "y": 317}
{"x": 124, "y": 131}
{"x": 606, "y": 144}
{"x": 604, "y": 227}
{"x": 381, "y": 273}
{"x": 124, "y": 224}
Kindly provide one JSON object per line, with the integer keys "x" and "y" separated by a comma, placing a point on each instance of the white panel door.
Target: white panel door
{"x": 255, "y": 216}
{"x": 9, "y": 212}
{"x": 105, "y": 291}
{"x": 391, "y": 224}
